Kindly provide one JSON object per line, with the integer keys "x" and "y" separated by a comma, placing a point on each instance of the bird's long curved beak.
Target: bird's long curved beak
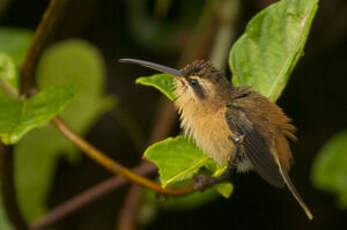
{"x": 152, "y": 65}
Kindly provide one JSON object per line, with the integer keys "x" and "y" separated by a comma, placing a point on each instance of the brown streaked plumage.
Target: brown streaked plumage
{"x": 233, "y": 125}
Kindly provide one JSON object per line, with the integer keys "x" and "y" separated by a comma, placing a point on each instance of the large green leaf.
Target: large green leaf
{"x": 265, "y": 55}
{"x": 329, "y": 171}
{"x": 177, "y": 159}
{"x": 15, "y": 43}
{"x": 9, "y": 79}
{"x": 18, "y": 116}
{"x": 163, "y": 82}
{"x": 79, "y": 63}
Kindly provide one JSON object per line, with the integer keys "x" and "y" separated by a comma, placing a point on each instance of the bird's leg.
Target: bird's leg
{"x": 204, "y": 181}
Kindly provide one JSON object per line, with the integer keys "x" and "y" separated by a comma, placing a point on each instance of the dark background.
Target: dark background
{"x": 315, "y": 98}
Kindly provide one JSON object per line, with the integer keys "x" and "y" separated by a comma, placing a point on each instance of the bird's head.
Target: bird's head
{"x": 198, "y": 83}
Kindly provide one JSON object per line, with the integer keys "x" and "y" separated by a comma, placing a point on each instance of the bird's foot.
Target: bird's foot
{"x": 203, "y": 181}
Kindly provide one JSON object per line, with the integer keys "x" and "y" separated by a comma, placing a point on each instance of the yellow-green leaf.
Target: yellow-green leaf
{"x": 225, "y": 189}
{"x": 163, "y": 82}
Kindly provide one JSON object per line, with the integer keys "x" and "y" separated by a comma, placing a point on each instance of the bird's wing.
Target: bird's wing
{"x": 255, "y": 146}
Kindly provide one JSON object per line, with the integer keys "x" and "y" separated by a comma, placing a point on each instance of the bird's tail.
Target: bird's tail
{"x": 294, "y": 192}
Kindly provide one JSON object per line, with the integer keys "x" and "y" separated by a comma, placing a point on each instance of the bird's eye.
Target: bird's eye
{"x": 193, "y": 82}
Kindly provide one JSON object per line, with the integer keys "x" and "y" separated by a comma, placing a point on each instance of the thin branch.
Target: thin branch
{"x": 126, "y": 218}
{"x": 114, "y": 166}
{"x": 82, "y": 199}
{"x": 41, "y": 39}
{"x": 167, "y": 119}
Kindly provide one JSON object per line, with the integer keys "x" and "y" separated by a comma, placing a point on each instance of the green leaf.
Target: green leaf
{"x": 9, "y": 79}
{"x": 265, "y": 55}
{"x": 74, "y": 62}
{"x": 79, "y": 63}
{"x": 329, "y": 171}
{"x": 225, "y": 189}
{"x": 15, "y": 42}
{"x": 18, "y": 116}
{"x": 177, "y": 159}
{"x": 163, "y": 82}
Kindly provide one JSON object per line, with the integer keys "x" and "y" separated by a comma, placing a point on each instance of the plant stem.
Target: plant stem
{"x": 41, "y": 39}
{"x": 114, "y": 166}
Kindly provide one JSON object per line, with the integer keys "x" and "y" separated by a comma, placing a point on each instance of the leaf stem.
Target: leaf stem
{"x": 41, "y": 39}
{"x": 114, "y": 166}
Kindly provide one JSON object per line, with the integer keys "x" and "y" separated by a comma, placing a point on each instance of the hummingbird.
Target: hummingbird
{"x": 236, "y": 126}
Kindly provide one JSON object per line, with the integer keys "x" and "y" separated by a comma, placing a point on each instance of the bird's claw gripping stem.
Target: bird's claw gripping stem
{"x": 203, "y": 181}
